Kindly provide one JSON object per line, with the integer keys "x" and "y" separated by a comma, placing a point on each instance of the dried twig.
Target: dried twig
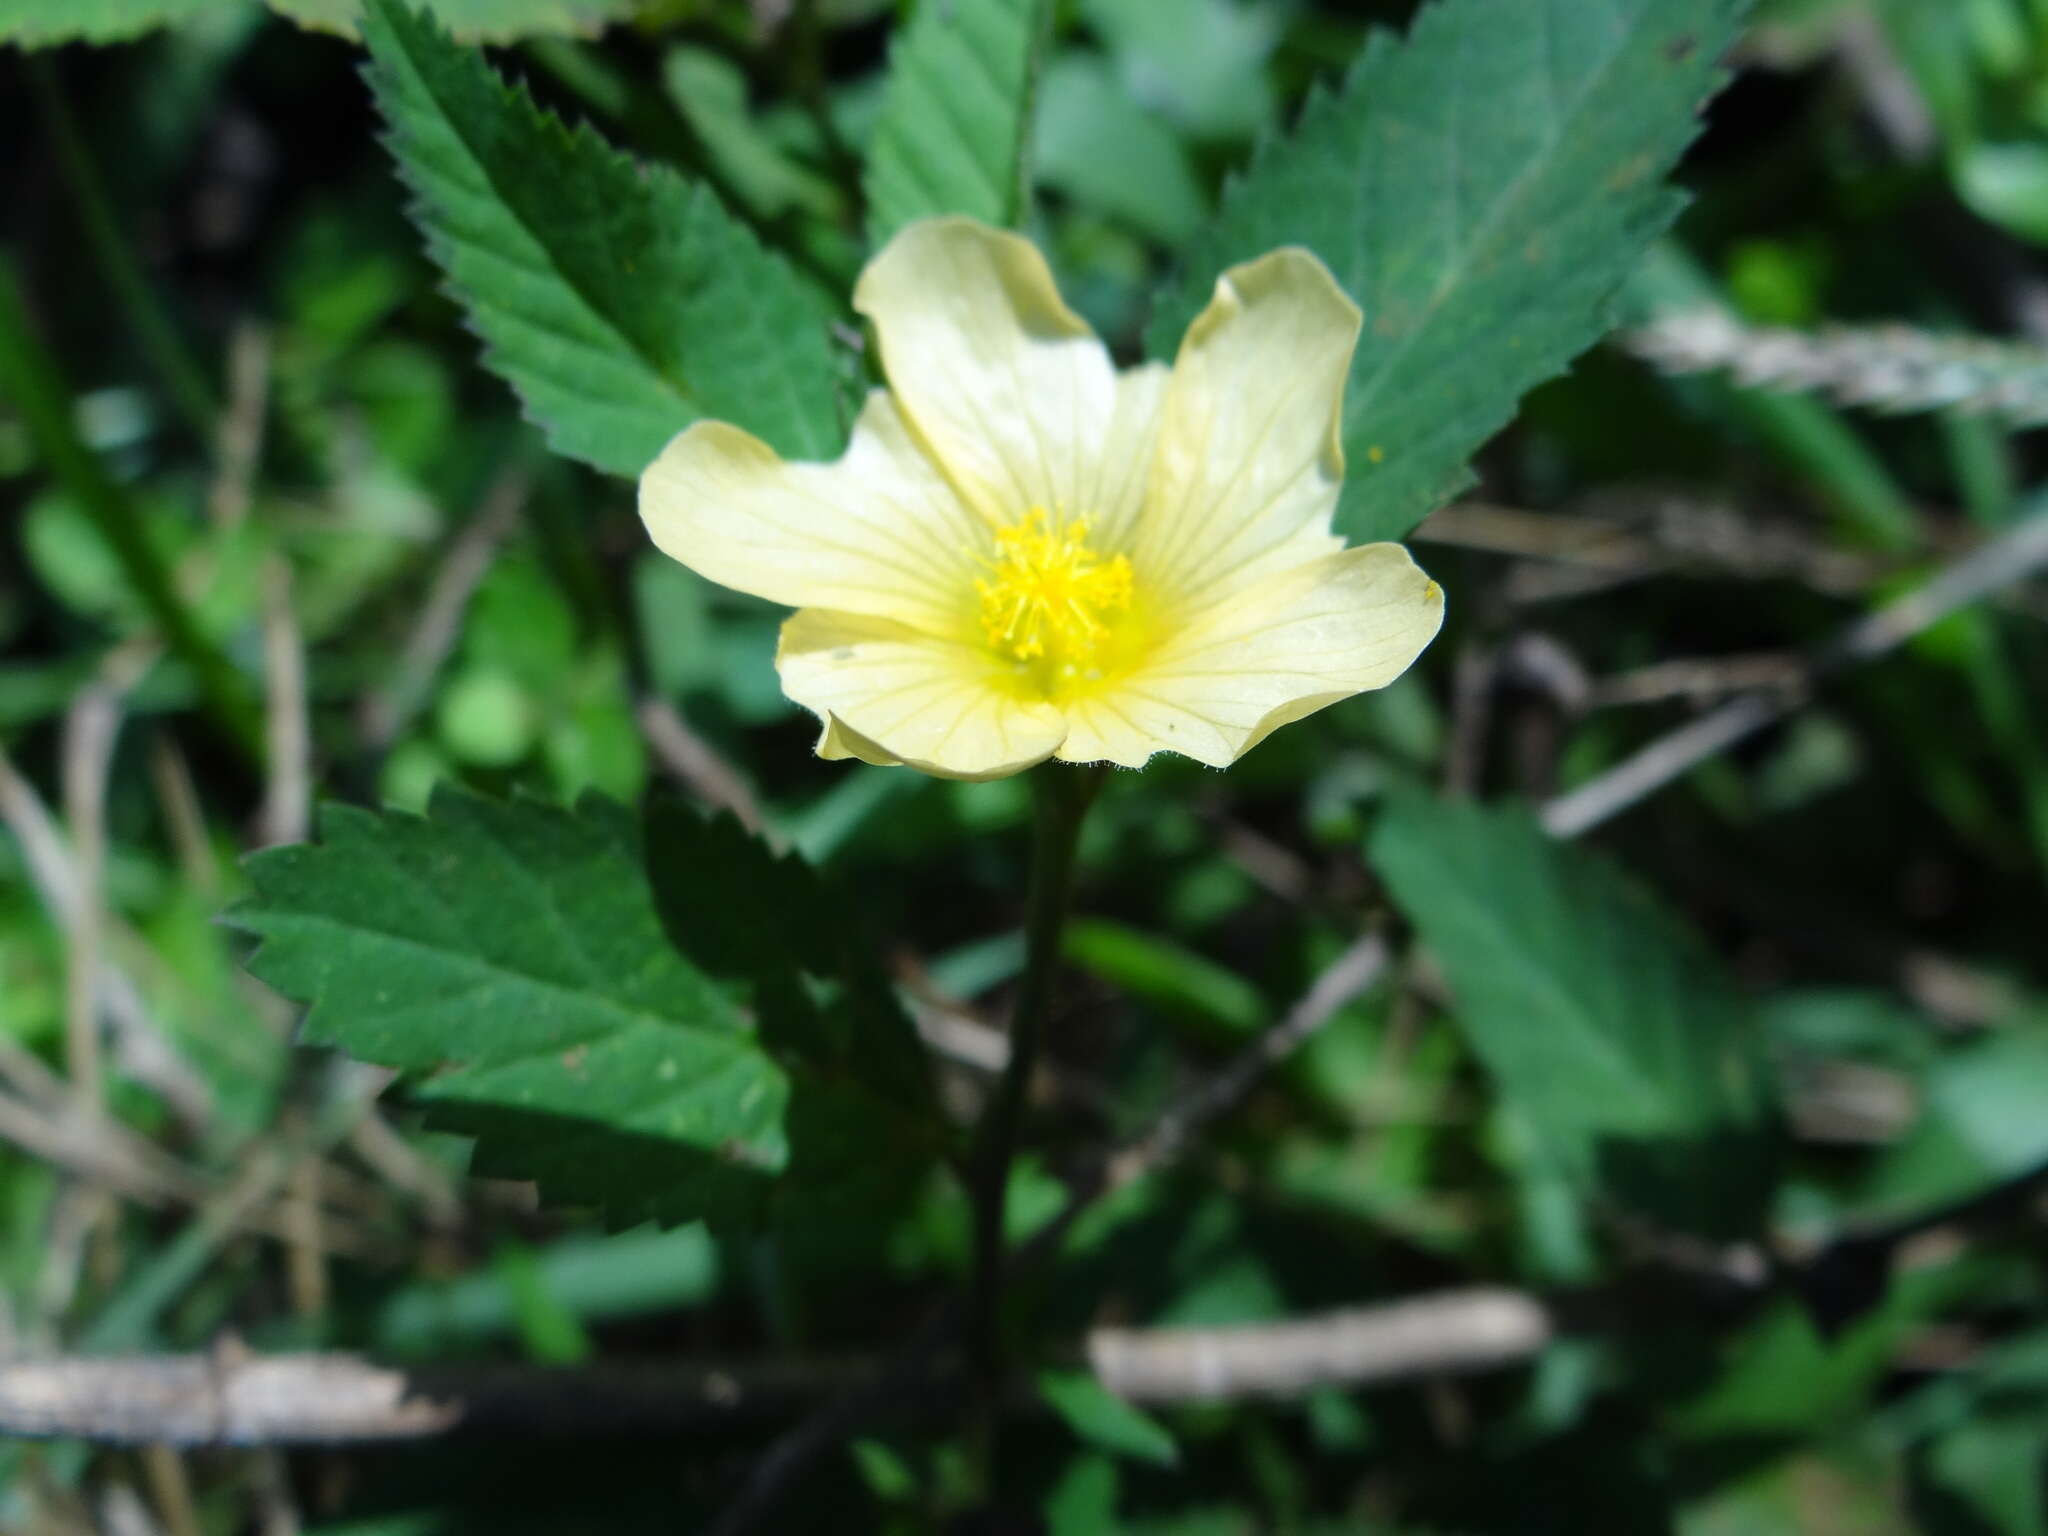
{"x": 73, "y": 1217}
{"x": 1848, "y": 1103}
{"x": 1604, "y": 543}
{"x": 1347, "y": 978}
{"x": 1645, "y": 532}
{"x": 1698, "y": 680}
{"x": 769, "y": 16}
{"x": 90, "y": 727}
{"x": 107, "y": 1154}
{"x": 277, "y": 1511}
{"x": 142, "y": 1049}
{"x": 1471, "y": 723}
{"x": 694, "y": 761}
{"x": 305, "y": 1251}
{"x": 239, "y": 442}
{"x": 1889, "y": 368}
{"x": 288, "y": 788}
{"x": 386, "y": 711}
{"x": 171, "y": 1485}
{"x": 1274, "y": 866}
{"x": 960, "y": 1037}
{"x": 178, "y": 798}
{"x": 1888, "y": 90}
{"x": 91, "y": 1147}
{"x": 122, "y": 1513}
{"x": 1424, "y": 1336}
{"x": 2002, "y": 562}
{"x": 393, "y": 1159}
{"x": 233, "y": 1398}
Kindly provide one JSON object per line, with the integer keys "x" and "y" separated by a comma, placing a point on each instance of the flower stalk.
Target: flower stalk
{"x": 1060, "y": 798}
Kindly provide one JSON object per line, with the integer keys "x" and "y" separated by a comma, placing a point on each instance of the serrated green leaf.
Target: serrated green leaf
{"x": 1102, "y": 1418}
{"x": 1481, "y": 189}
{"x": 1605, "y": 1023}
{"x": 950, "y": 138}
{"x": 510, "y": 957}
{"x": 42, "y": 24}
{"x": 479, "y": 21}
{"x": 512, "y": 960}
{"x": 619, "y": 300}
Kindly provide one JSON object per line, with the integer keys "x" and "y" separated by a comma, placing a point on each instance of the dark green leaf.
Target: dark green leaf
{"x": 620, "y": 301}
{"x": 509, "y": 956}
{"x": 1482, "y": 189}
{"x": 950, "y": 138}
{"x": 1605, "y": 1023}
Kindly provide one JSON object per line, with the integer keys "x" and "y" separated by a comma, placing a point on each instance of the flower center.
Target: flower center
{"x": 1048, "y": 592}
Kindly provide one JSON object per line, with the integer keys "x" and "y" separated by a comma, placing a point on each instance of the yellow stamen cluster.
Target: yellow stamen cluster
{"x": 1049, "y": 592}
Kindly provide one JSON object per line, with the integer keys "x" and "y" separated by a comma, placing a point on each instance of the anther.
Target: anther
{"x": 1048, "y": 591}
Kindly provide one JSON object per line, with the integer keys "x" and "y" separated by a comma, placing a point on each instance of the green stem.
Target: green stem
{"x": 182, "y": 376}
{"x": 1061, "y": 797}
{"x": 28, "y": 374}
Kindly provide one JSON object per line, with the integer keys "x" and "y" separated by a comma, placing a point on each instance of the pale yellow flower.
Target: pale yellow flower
{"x": 1025, "y": 554}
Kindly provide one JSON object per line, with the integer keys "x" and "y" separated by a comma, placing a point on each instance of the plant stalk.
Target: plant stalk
{"x": 1061, "y": 796}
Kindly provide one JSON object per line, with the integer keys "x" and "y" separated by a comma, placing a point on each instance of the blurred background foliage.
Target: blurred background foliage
{"x": 1827, "y": 1312}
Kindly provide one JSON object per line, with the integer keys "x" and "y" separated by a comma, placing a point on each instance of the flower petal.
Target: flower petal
{"x": 890, "y": 694}
{"x": 1113, "y": 497}
{"x": 1249, "y": 463}
{"x": 1339, "y": 625}
{"x": 1008, "y": 387}
{"x": 879, "y": 532}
